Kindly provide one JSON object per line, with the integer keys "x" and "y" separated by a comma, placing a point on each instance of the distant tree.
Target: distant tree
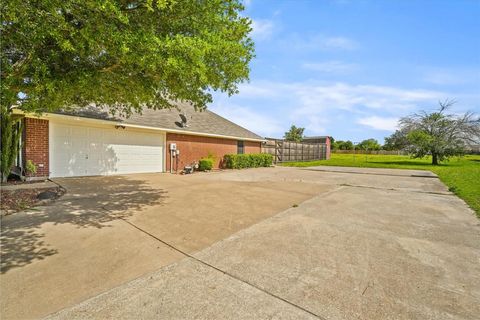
{"x": 397, "y": 141}
{"x": 369, "y": 144}
{"x": 294, "y": 134}
{"x": 439, "y": 134}
{"x": 347, "y": 145}
{"x": 335, "y": 145}
{"x": 343, "y": 145}
{"x": 332, "y": 141}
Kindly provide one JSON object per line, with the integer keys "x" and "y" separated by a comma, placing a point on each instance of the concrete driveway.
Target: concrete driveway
{"x": 323, "y": 243}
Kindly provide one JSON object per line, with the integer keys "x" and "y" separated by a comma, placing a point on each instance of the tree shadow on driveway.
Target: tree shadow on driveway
{"x": 91, "y": 202}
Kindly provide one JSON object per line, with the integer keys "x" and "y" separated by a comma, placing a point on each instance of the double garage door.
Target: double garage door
{"x": 77, "y": 150}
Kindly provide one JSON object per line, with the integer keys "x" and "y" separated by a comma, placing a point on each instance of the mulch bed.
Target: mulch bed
{"x": 17, "y": 200}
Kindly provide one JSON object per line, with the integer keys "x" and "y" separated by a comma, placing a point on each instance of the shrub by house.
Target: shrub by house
{"x": 253, "y": 160}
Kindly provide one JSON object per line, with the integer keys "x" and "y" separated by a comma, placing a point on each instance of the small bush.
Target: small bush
{"x": 253, "y": 160}
{"x": 30, "y": 167}
{"x": 205, "y": 164}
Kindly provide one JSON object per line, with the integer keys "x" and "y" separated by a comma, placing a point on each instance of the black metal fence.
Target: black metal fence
{"x": 284, "y": 151}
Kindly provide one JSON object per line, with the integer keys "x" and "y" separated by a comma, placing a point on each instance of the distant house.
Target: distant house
{"x": 90, "y": 141}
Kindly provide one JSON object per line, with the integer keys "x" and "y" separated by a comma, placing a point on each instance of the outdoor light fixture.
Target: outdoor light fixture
{"x": 118, "y": 126}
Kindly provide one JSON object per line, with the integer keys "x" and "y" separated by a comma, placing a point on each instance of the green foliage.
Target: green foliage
{"x": 438, "y": 134}
{"x": 205, "y": 164}
{"x": 212, "y": 156}
{"x": 294, "y": 134}
{"x": 397, "y": 141}
{"x": 369, "y": 144}
{"x": 342, "y": 145}
{"x": 30, "y": 167}
{"x": 461, "y": 175}
{"x": 10, "y": 137}
{"x": 332, "y": 141}
{"x": 252, "y": 160}
{"x": 124, "y": 54}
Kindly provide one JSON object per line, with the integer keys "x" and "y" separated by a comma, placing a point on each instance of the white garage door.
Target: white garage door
{"x": 88, "y": 151}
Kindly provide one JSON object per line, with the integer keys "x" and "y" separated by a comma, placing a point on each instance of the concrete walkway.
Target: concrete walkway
{"x": 364, "y": 245}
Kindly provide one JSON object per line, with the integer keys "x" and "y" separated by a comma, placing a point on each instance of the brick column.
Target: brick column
{"x": 329, "y": 147}
{"x": 35, "y": 145}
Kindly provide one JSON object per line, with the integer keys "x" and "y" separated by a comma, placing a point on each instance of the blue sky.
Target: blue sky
{"x": 350, "y": 69}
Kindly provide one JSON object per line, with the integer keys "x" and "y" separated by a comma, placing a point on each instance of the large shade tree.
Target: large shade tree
{"x": 124, "y": 54}
{"x": 440, "y": 134}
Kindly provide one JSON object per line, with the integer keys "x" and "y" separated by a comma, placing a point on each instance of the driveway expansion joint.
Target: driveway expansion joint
{"x": 396, "y": 189}
{"x": 223, "y": 271}
{"x": 374, "y": 173}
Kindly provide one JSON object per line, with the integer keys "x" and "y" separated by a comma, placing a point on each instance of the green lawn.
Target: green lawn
{"x": 461, "y": 175}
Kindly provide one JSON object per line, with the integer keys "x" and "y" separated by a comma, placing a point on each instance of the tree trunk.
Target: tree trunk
{"x": 9, "y": 145}
{"x": 434, "y": 159}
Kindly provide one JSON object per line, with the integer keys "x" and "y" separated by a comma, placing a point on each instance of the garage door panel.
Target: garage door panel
{"x": 83, "y": 150}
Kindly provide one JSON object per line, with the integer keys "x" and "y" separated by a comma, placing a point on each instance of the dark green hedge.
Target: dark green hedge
{"x": 252, "y": 160}
{"x": 205, "y": 164}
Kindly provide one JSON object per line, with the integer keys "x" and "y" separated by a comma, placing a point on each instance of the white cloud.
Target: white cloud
{"x": 308, "y": 96}
{"x": 379, "y": 123}
{"x": 269, "y": 108}
{"x": 333, "y": 66}
{"x": 262, "y": 29}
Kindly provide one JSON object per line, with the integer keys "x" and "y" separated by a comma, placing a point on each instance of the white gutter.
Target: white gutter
{"x": 48, "y": 116}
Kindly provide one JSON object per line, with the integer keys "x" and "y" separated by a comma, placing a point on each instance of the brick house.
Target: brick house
{"x": 90, "y": 141}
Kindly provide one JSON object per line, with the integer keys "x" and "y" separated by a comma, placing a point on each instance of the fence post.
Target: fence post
{"x": 275, "y": 151}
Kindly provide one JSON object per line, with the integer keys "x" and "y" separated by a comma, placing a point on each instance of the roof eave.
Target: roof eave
{"x": 48, "y": 116}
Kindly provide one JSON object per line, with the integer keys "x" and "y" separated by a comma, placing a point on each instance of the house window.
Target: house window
{"x": 240, "y": 147}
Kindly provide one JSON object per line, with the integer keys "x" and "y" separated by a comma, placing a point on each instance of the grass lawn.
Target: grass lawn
{"x": 461, "y": 175}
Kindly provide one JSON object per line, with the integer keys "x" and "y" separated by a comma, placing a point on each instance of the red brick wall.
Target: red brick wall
{"x": 192, "y": 148}
{"x": 329, "y": 147}
{"x": 35, "y": 145}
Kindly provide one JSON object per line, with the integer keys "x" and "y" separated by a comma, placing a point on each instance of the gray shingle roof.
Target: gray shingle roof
{"x": 206, "y": 122}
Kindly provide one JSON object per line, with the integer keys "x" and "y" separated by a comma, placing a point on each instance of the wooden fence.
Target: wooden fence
{"x": 284, "y": 151}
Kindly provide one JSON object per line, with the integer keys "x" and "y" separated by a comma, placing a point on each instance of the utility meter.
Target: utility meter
{"x": 173, "y": 146}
